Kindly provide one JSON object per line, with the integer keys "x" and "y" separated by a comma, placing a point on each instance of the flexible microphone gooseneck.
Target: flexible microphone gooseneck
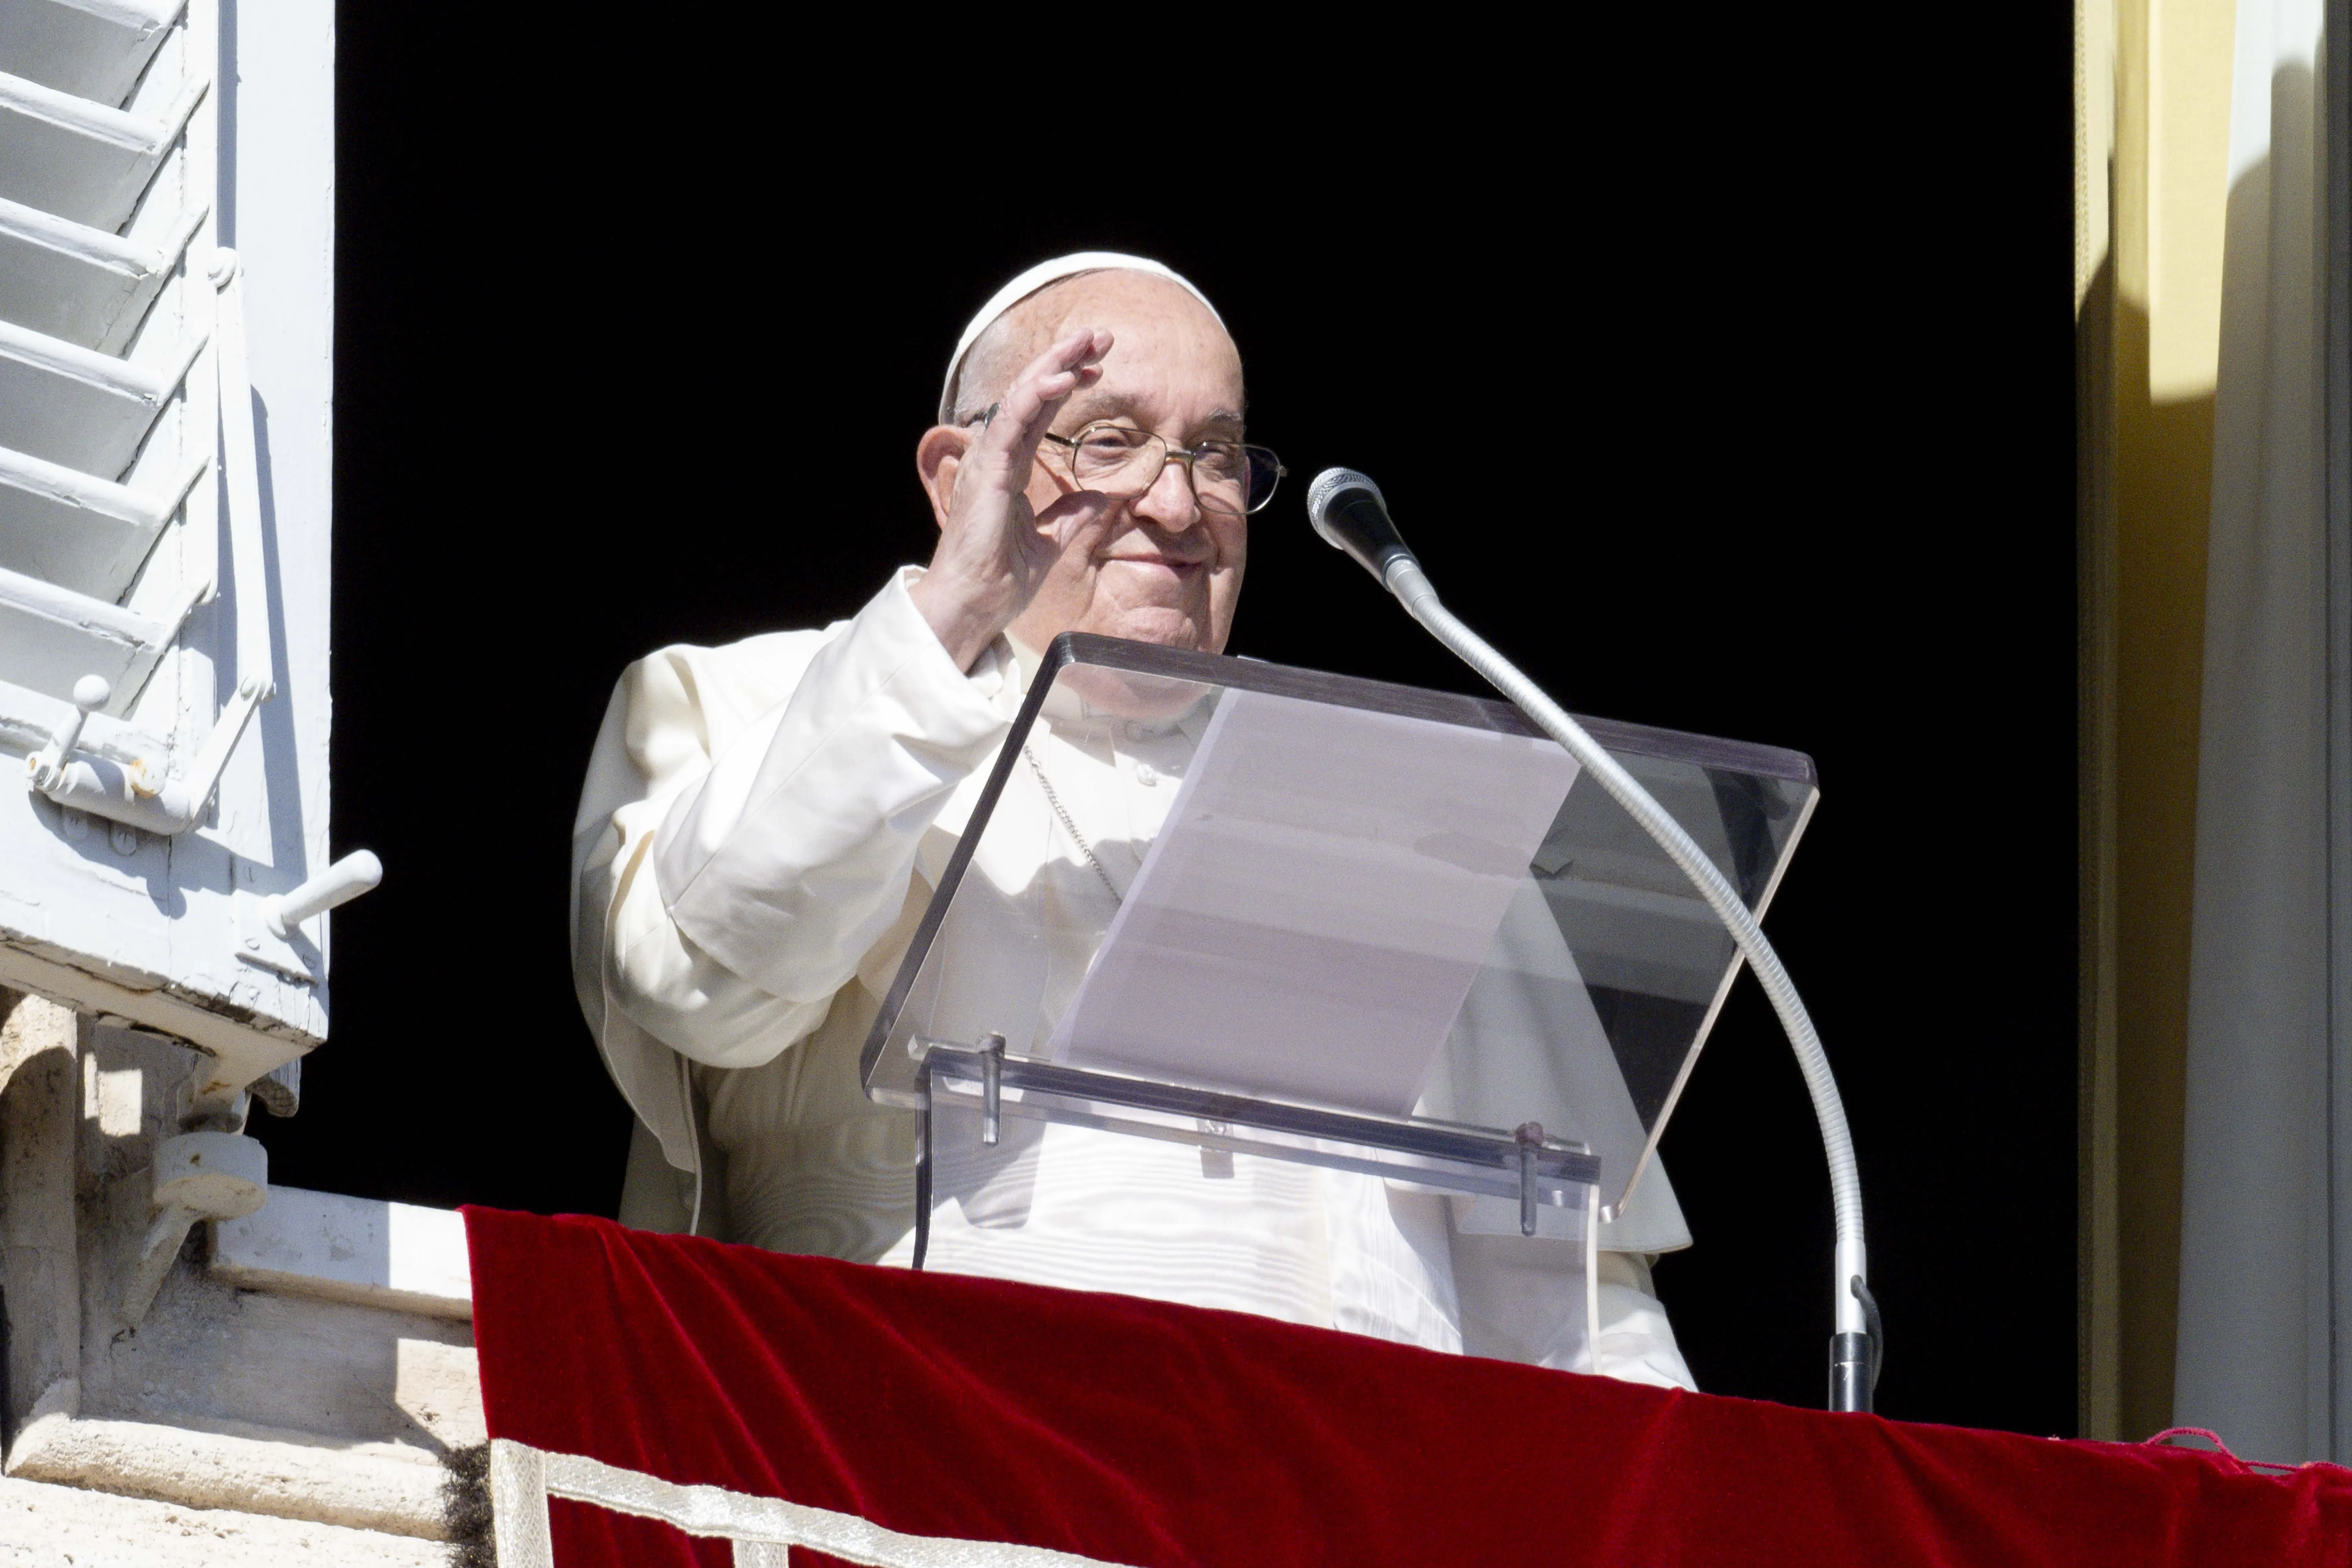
{"x": 1348, "y": 510}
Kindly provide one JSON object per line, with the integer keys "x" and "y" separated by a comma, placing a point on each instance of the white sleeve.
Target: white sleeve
{"x": 683, "y": 997}
{"x": 642, "y": 985}
{"x": 772, "y": 873}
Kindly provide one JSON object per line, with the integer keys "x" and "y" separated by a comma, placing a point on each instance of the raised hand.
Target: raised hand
{"x": 994, "y": 549}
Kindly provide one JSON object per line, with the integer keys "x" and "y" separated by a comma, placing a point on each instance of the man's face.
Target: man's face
{"x": 1167, "y": 571}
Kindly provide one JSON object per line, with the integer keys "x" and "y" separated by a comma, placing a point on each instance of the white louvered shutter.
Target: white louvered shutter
{"x": 166, "y": 254}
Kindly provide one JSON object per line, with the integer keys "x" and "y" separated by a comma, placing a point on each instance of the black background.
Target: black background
{"x": 1730, "y": 393}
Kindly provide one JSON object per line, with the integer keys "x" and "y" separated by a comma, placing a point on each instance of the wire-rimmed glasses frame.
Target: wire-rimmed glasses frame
{"x": 1119, "y": 459}
{"x": 1122, "y": 460}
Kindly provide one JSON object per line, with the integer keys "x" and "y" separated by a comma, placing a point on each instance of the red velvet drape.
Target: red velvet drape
{"x": 1156, "y": 1436}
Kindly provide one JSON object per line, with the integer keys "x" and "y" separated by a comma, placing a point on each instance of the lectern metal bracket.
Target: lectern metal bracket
{"x": 1483, "y": 1162}
{"x": 1529, "y": 1138}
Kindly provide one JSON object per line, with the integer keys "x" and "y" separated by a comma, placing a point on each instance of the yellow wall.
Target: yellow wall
{"x": 2148, "y": 267}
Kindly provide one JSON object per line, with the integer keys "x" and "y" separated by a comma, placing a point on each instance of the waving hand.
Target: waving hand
{"x": 994, "y": 549}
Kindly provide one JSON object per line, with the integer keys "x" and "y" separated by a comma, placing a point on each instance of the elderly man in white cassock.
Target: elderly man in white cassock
{"x": 763, "y": 826}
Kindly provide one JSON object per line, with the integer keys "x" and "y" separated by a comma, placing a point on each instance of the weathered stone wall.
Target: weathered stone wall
{"x": 293, "y": 1412}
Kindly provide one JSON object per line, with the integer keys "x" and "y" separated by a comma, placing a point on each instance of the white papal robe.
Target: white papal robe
{"x": 760, "y": 829}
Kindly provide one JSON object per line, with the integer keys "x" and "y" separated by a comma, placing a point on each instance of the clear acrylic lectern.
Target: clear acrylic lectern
{"x": 1357, "y": 925}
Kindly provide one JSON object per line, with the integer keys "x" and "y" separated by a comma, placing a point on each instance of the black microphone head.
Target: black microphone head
{"x": 1348, "y": 510}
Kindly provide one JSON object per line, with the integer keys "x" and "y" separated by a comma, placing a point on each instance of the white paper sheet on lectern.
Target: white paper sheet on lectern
{"x": 1309, "y": 921}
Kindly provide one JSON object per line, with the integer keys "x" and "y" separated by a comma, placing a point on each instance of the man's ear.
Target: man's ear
{"x": 939, "y": 458}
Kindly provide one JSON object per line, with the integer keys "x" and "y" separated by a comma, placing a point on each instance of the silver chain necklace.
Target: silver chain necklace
{"x": 1069, "y": 826}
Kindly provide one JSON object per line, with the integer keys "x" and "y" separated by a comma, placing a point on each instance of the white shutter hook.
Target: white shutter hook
{"x": 340, "y": 883}
{"x": 47, "y": 766}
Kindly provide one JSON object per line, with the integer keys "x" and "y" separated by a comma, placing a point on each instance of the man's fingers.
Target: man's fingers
{"x": 1085, "y": 346}
{"x": 1052, "y": 375}
{"x": 1043, "y": 385}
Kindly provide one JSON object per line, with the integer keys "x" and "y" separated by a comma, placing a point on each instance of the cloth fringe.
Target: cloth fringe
{"x": 465, "y": 1504}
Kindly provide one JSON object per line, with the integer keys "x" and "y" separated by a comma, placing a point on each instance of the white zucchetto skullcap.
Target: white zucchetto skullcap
{"x": 1037, "y": 277}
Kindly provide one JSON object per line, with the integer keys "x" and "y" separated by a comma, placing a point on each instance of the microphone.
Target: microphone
{"x": 1348, "y": 510}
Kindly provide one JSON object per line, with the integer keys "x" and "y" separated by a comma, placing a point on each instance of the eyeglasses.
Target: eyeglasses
{"x": 1227, "y": 477}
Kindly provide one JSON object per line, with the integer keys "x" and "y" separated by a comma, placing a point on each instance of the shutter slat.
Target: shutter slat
{"x": 82, "y": 160}
{"x": 94, "y": 50}
{"x": 84, "y": 534}
{"x": 51, "y": 636}
{"x": 76, "y": 408}
{"x": 88, "y": 287}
